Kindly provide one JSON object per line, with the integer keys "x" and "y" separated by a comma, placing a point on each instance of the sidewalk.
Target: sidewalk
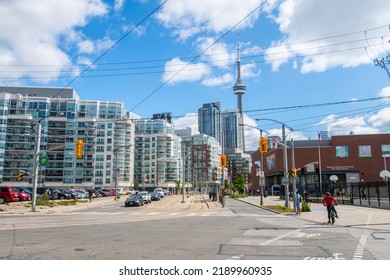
{"x": 25, "y": 206}
{"x": 175, "y": 201}
{"x": 349, "y": 216}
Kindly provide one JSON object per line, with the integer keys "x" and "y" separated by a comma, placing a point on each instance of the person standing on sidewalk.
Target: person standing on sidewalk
{"x": 298, "y": 199}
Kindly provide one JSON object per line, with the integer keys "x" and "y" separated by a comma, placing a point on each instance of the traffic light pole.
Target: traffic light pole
{"x": 285, "y": 168}
{"x": 36, "y": 166}
{"x": 294, "y": 177}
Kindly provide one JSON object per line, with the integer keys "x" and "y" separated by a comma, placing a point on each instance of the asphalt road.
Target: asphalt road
{"x": 169, "y": 230}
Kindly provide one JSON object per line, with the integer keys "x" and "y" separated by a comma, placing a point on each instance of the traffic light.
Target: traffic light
{"x": 79, "y": 148}
{"x": 317, "y": 167}
{"x": 263, "y": 145}
{"x": 303, "y": 169}
{"x": 293, "y": 172}
{"x": 20, "y": 176}
{"x": 223, "y": 160}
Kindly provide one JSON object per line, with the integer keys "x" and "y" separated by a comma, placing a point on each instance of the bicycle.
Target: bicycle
{"x": 332, "y": 213}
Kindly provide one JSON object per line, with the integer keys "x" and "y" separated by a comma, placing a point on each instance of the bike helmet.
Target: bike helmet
{"x": 327, "y": 193}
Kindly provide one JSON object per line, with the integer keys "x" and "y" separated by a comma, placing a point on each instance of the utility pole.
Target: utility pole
{"x": 285, "y": 167}
{"x": 36, "y": 166}
{"x": 294, "y": 179}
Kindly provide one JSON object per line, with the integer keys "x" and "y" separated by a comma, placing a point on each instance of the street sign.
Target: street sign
{"x": 310, "y": 168}
{"x": 274, "y": 143}
{"x": 43, "y": 160}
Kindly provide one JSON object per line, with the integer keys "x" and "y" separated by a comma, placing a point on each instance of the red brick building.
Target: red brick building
{"x": 352, "y": 158}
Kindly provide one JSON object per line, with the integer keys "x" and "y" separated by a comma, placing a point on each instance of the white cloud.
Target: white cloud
{"x": 189, "y": 120}
{"x": 301, "y": 21}
{"x": 385, "y": 92}
{"x": 187, "y": 18}
{"x": 369, "y": 123}
{"x": 218, "y": 55}
{"x": 191, "y": 73}
{"x": 118, "y": 5}
{"x": 35, "y": 33}
{"x": 346, "y": 125}
{"x": 226, "y": 79}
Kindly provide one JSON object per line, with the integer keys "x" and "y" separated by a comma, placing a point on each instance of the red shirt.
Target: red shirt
{"x": 328, "y": 200}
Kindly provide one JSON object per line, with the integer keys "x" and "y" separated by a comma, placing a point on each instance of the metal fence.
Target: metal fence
{"x": 371, "y": 194}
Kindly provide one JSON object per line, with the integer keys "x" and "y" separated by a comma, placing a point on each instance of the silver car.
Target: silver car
{"x": 145, "y": 196}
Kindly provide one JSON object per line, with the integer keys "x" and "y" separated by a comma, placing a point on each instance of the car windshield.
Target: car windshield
{"x": 143, "y": 193}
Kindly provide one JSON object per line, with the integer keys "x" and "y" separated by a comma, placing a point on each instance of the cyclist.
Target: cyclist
{"x": 329, "y": 201}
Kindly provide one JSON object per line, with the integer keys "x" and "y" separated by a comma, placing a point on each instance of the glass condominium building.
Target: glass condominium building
{"x": 158, "y": 159}
{"x": 107, "y": 134}
{"x": 231, "y": 128}
{"x": 210, "y": 120}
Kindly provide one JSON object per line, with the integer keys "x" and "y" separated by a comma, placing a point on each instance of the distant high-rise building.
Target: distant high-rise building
{"x": 163, "y": 116}
{"x": 232, "y": 131}
{"x": 210, "y": 120}
{"x": 239, "y": 89}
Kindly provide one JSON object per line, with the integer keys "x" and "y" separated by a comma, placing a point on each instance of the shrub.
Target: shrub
{"x": 306, "y": 207}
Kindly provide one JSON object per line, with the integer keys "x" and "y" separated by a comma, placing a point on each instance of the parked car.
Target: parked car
{"x": 72, "y": 193}
{"x": 8, "y": 195}
{"x": 23, "y": 196}
{"x": 167, "y": 192}
{"x": 134, "y": 200}
{"x": 155, "y": 196}
{"x": 145, "y": 196}
{"x": 58, "y": 194}
{"x": 26, "y": 190}
{"x": 160, "y": 191}
{"x": 102, "y": 193}
{"x": 83, "y": 194}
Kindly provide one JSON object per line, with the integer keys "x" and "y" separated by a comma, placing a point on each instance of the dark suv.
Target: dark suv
{"x": 8, "y": 195}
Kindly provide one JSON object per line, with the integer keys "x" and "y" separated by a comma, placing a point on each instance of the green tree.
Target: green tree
{"x": 136, "y": 185}
{"x": 239, "y": 183}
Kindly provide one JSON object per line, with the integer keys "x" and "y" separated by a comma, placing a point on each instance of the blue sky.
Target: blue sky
{"x": 294, "y": 53}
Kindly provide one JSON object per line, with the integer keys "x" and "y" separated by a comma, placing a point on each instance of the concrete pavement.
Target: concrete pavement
{"x": 349, "y": 215}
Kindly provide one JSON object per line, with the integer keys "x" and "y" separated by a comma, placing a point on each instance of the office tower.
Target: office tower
{"x": 210, "y": 120}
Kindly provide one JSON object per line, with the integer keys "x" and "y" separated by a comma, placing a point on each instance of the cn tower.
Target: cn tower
{"x": 239, "y": 89}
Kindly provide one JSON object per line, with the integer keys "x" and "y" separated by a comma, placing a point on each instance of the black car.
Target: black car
{"x": 59, "y": 194}
{"x": 155, "y": 196}
{"x": 134, "y": 200}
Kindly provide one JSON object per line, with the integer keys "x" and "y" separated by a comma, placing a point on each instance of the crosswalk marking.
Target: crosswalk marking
{"x": 152, "y": 213}
{"x": 173, "y": 214}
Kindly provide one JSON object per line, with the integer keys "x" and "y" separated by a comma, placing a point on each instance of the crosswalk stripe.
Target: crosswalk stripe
{"x": 152, "y": 213}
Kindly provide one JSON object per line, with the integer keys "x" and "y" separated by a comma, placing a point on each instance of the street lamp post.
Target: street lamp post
{"x": 36, "y": 166}
{"x": 261, "y": 184}
{"x": 285, "y": 164}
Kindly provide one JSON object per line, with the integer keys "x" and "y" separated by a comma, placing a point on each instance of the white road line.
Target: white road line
{"x": 191, "y": 214}
{"x": 152, "y": 213}
{"x": 280, "y": 237}
{"x": 362, "y": 242}
{"x": 173, "y": 214}
{"x": 115, "y": 213}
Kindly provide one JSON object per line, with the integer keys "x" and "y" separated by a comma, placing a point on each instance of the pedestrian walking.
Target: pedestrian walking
{"x": 90, "y": 195}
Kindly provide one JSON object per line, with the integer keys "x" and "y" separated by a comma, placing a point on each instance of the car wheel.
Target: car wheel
{"x": 61, "y": 197}
{"x": 2, "y": 200}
